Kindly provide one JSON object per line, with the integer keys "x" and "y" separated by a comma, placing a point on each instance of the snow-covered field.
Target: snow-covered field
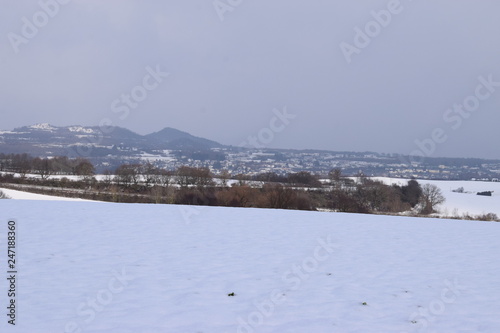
{"x": 21, "y": 195}
{"x": 460, "y": 203}
{"x": 101, "y": 267}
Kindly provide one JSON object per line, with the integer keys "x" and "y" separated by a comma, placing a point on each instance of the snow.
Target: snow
{"x": 81, "y": 129}
{"x": 467, "y": 202}
{"x": 43, "y": 127}
{"x": 70, "y": 177}
{"x": 155, "y": 157}
{"x": 21, "y": 195}
{"x": 102, "y": 267}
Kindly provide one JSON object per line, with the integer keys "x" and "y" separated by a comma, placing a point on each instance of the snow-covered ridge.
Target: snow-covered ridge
{"x": 43, "y": 127}
{"x": 80, "y": 129}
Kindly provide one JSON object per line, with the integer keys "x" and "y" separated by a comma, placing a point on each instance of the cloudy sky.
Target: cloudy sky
{"x": 412, "y": 77}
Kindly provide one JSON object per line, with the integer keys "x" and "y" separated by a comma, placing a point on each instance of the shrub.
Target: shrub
{"x": 237, "y": 196}
{"x": 197, "y": 197}
{"x": 487, "y": 217}
{"x": 343, "y": 201}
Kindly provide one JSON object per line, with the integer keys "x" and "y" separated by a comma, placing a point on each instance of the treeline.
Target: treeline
{"x": 198, "y": 186}
{"x": 44, "y": 167}
{"x": 305, "y": 191}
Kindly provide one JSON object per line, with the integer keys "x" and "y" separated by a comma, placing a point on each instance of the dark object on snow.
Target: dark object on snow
{"x": 485, "y": 193}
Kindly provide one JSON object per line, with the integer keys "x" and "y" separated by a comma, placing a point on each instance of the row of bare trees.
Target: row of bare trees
{"x": 147, "y": 175}
{"x": 198, "y": 186}
{"x": 45, "y": 167}
{"x": 302, "y": 190}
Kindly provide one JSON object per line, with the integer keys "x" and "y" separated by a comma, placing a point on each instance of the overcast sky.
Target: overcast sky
{"x": 382, "y": 76}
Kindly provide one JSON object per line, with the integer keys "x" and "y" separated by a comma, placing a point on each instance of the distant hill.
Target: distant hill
{"x": 175, "y": 139}
{"x": 92, "y": 142}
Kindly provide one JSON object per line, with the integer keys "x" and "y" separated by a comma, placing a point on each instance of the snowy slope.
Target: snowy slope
{"x": 21, "y": 195}
{"x": 101, "y": 267}
{"x": 467, "y": 202}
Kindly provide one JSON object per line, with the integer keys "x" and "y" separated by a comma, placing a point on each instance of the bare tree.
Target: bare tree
{"x": 335, "y": 175}
{"x": 150, "y": 174}
{"x": 43, "y": 167}
{"x": 22, "y": 164}
{"x": 162, "y": 189}
{"x": 84, "y": 168}
{"x": 128, "y": 174}
{"x": 431, "y": 198}
{"x": 279, "y": 196}
{"x": 189, "y": 176}
{"x": 107, "y": 180}
{"x": 224, "y": 177}
{"x": 164, "y": 178}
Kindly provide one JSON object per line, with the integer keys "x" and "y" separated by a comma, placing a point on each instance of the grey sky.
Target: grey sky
{"x": 226, "y": 77}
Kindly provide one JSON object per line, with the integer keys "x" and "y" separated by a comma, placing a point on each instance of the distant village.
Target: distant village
{"x": 282, "y": 161}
